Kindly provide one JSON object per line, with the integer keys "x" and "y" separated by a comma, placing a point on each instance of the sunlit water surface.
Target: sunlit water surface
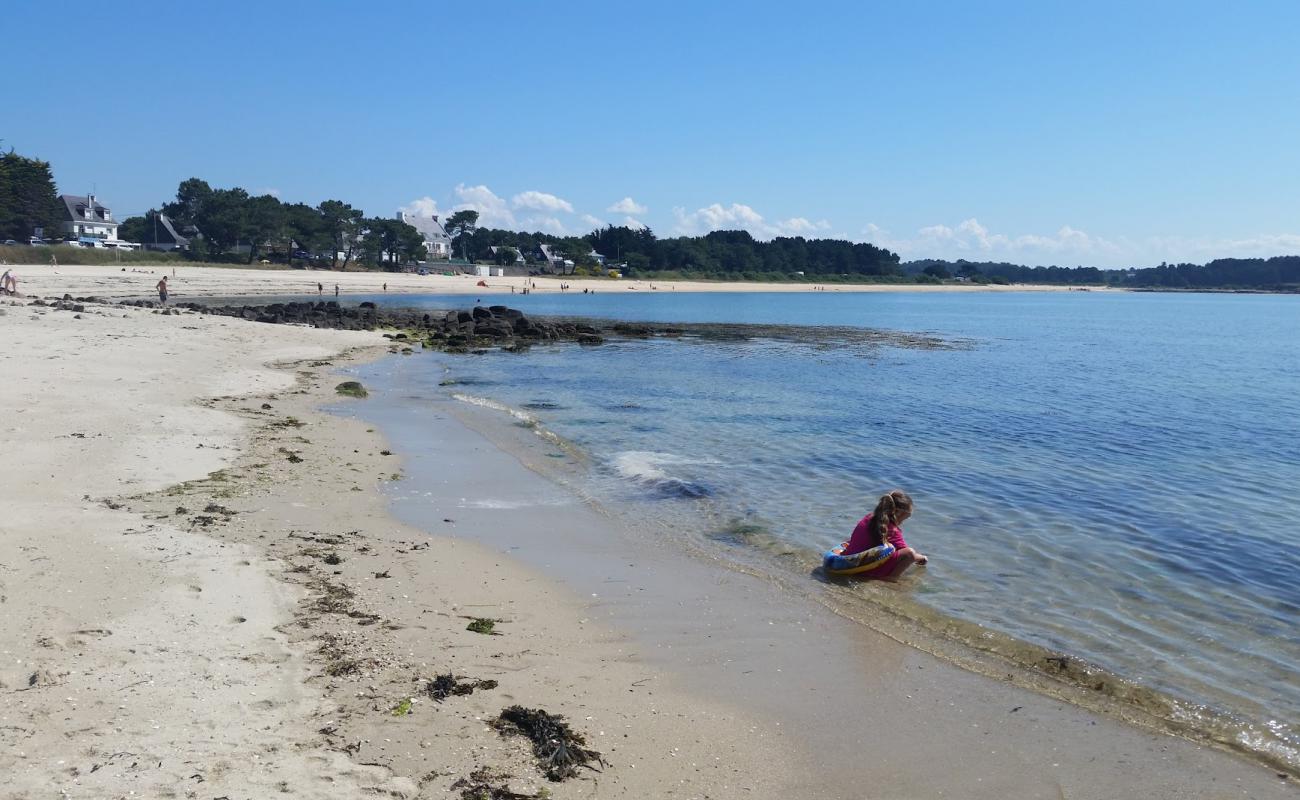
{"x": 1110, "y": 475}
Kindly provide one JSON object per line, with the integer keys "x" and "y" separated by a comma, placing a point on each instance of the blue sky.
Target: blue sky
{"x": 1037, "y": 132}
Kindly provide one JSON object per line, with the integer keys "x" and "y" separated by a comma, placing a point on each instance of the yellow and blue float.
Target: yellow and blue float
{"x": 836, "y": 564}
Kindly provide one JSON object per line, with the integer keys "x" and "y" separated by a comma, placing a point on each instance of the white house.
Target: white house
{"x": 86, "y": 221}
{"x": 436, "y": 241}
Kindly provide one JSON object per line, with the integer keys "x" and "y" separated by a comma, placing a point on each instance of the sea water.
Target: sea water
{"x": 1111, "y": 476}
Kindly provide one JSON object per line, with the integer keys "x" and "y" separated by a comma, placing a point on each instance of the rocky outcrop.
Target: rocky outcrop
{"x": 480, "y": 326}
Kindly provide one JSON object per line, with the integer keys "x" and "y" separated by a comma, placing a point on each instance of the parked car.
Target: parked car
{"x": 36, "y": 240}
{"x": 10, "y": 242}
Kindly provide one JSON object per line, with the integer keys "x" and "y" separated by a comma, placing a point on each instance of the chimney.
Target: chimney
{"x": 90, "y": 206}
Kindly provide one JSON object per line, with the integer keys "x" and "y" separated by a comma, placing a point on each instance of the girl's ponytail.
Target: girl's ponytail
{"x": 885, "y": 516}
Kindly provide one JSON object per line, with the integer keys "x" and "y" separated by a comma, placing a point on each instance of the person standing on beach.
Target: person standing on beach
{"x": 9, "y": 282}
{"x": 881, "y": 526}
{"x": 320, "y": 289}
{"x": 162, "y": 290}
{"x": 336, "y": 290}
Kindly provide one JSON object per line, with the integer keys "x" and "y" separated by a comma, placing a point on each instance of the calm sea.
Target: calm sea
{"x": 1112, "y": 476}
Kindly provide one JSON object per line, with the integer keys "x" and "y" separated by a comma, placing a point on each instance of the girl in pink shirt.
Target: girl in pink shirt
{"x": 880, "y": 526}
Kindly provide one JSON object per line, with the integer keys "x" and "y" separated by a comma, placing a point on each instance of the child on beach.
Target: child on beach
{"x": 882, "y": 525}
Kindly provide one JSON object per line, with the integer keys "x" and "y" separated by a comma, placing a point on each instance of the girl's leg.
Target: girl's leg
{"x": 902, "y": 560}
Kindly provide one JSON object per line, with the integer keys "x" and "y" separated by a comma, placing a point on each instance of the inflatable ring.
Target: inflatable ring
{"x": 834, "y": 562}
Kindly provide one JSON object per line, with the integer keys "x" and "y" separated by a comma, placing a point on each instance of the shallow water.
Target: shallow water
{"x": 1108, "y": 475}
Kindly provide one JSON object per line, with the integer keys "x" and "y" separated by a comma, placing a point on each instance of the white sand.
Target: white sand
{"x": 193, "y": 282}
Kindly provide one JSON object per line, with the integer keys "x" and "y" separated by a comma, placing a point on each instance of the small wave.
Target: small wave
{"x": 522, "y": 419}
{"x": 495, "y": 405}
{"x": 543, "y": 405}
{"x": 648, "y": 469}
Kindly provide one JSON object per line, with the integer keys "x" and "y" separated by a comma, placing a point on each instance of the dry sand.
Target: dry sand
{"x": 176, "y": 623}
{"x": 194, "y": 282}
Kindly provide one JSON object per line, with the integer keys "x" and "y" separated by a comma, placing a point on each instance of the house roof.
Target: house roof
{"x": 518, "y": 255}
{"x": 431, "y": 229}
{"x": 169, "y": 230}
{"x": 75, "y": 207}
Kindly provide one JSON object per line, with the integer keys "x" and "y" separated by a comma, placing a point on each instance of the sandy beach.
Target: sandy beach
{"x": 206, "y": 595}
{"x": 195, "y": 282}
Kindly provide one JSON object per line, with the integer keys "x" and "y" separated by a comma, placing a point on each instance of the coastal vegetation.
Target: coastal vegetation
{"x": 231, "y": 225}
{"x": 1280, "y": 273}
{"x": 28, "y": 199}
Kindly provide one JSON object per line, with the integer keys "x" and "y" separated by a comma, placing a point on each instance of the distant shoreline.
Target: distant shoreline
{"x": 188, "y": 282}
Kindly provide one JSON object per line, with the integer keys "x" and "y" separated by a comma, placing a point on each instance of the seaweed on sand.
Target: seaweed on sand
{"x": 558, "y": 748}
{"x": 480, "y": 786}
{"x": 444, "y": 686}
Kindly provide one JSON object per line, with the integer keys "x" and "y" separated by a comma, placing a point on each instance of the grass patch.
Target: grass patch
{"x": 403, "y": 708}
{"x": 483, "y": 625}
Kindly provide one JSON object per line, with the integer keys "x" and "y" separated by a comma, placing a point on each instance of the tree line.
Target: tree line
{"x": 28, "y": 199}
{"x": 1279, "y": 273}
{"x": 231, "y": 224}
{"x": 226, "y": 224}
{"x": 719, "y": 255}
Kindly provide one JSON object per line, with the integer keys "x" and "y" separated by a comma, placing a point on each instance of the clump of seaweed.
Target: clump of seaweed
{"x": 483, "y": 625}
{"x": 558, "y": 748}
{"x": 484, "y": 784}
{"x": 444, "y": 686}
{"x": 352, "y": 389}
{"x": 403, "y": 708}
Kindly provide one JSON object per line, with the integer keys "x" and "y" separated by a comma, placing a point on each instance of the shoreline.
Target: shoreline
{"x": 953, "y": 644}
{"x": 563, "y": 660}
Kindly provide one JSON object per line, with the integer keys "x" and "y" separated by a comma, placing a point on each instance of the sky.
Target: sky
{"x": 1103, "y": 134}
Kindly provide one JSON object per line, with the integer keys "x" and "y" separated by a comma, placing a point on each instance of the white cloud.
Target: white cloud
{"x": 592, "y": 222}
{"x": 493, "y": 212}
{"x": 975, "y": 242}
{"x": 544, "y": 224}
{"x": 801, "y": 226}
{"x": 1070, "y": 246}
{"x": 633, "y": 223}
{"x": 541, "y": 201}
{"x": 627, "y": 206}
{"x": 273, "y": 192}
{"x": 421, "y": 207}
{"x": 1176, "y": 249}
{"x": 739, "y": 216}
